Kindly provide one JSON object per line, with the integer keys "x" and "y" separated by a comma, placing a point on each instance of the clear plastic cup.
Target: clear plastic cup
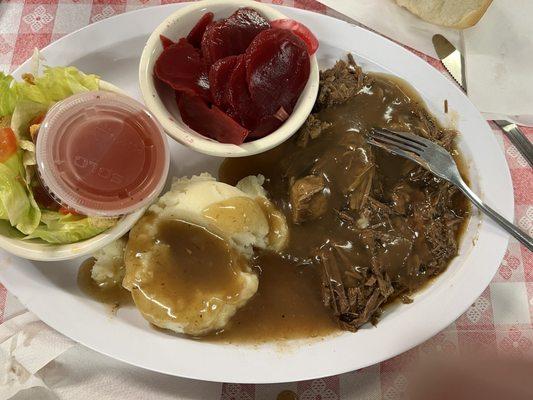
{"x": 102, "y": 154}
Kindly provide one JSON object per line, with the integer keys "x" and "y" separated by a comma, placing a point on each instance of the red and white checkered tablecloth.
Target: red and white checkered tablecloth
{"x": 501, "y": 318}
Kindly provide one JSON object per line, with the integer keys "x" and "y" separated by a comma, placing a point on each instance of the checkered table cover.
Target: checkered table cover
{"x": 501, "y": 318}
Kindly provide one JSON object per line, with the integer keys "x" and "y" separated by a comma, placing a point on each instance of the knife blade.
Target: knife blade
{"x": 451, "y": 58}
{"x": 453, "y": 61}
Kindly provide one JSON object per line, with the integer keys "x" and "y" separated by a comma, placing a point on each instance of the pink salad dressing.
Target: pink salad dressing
{"x": 101, "y": 153}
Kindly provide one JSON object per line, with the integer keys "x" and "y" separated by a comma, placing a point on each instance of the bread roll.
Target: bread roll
{"x": 457, "y": 14}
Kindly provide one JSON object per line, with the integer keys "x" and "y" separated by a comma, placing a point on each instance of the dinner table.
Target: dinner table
{"x": 499, "y": 322}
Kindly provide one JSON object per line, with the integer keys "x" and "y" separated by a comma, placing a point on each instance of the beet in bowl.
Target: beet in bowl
{"x": 231, "y": 78}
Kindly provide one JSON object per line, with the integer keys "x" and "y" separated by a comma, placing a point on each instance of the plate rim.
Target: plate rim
{"x": 308, "y": 375}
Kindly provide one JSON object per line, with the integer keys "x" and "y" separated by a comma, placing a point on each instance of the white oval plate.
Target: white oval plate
{"x": 111, "y": 48}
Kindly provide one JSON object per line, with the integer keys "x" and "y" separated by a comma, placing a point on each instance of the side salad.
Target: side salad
{"x": 25, "y": 205}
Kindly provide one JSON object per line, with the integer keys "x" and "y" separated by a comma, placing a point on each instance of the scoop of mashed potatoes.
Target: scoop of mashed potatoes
{"x": 187, "y": 260}
{"x": 108, "y": 268}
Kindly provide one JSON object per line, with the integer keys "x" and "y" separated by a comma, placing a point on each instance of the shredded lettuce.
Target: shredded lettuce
{"x": 20, "y": 103}
{"x": 28, "y": 160}
{"x": 56, "y": 83}
{"x": 25, "y": 100}
{"x": 8, "y": 95}
{"x": 24, "y": 113}
{"x": 60, "y": 228}
{"x": 16, "y": 199}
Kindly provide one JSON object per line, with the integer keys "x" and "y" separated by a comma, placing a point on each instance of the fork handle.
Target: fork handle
{"x": 519, "y": 234}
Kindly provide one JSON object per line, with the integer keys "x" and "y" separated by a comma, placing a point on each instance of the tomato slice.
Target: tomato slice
{"x": 67, "y": 210}
{"x": 8, "y": 143}
{"x": 300, "y": 30}
{"x": 38, "y": 119}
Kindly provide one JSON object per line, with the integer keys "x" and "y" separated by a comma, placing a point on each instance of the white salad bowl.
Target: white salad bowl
{"x": 161, "y": 101}
{"x": 39, "y": 250}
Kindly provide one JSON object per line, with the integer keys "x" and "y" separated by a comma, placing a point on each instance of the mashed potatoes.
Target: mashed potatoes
{"x": 187, "y": 259}
{"x": 108, "y": 268}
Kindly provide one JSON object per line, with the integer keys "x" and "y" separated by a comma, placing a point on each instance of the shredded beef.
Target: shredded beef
{"x": 307, "y": 197}
{"x": 384, "y": 219}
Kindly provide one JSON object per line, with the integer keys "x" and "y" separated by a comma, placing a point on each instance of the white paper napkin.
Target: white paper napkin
{"x": 499, "y": 60}
{"x": 36, "y": 362}
{"x": 395, "y": 22}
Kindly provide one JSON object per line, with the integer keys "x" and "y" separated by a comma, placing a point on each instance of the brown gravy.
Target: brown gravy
{"x": 236, "y": 214}
{"x": 205, "y": 261}
{"x": 348, "y": 166}
{"x": 113, "y": 295}
{"x": 190, "y": 269}
{"x": 287, "y": 305}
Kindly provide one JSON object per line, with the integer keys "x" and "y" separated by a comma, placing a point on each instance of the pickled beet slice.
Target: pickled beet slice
{"x": 165, "y": 42}
{"x": 240, "y": 101}
{"x": 233, "y": 35}
{"x": 277, "y": 70}
{"x": 300, "y": 30}
{"x": 249, "y": 22}
{"x": 197, "y": 32}
{"x": 269, "y": 123}
{"x": 266, "y": 125}
{"x": 181, "y": 67}
{"x": 219, "y": 76}
{"x": 210, "y": 122}
{"x": 216, "y": 42}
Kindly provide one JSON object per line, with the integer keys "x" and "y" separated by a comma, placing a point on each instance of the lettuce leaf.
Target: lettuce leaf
{"x": 55, "y": 83}
{"x": 25, "y": 100}
{"x": 29, "y": 161}
{"x": 60, "y": 228}
{"x": 8, "y": 95}
{"x": 20, "y": 103}
{"x": 16, "y": 200}
{"x": 25, "y": 112}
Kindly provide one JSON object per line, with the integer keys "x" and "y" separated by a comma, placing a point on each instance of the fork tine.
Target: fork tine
{"x": 394, "y": 143}
{"x": 409, "y": 136}
{"x": 394, "y": 149}
{"x": 396, "y": 137}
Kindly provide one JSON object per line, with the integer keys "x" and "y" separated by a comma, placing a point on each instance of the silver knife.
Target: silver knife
{"x": 453, "y": 61}
{"x": 517, "y": 137}
{"x": 451, "y": 58}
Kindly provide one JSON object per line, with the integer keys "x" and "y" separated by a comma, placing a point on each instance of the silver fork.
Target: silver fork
{"x": 437, "y": 160}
